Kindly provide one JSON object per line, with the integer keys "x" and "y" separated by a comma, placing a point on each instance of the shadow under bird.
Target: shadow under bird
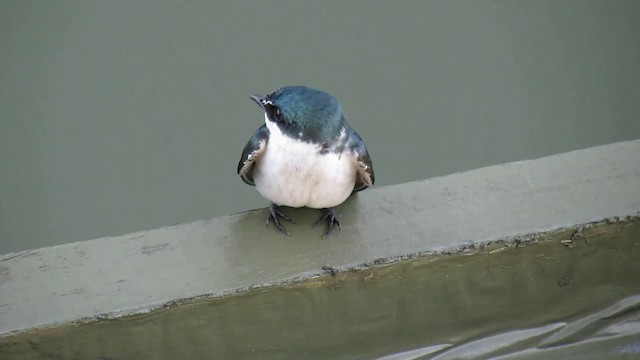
{"x": 305, "y": 155}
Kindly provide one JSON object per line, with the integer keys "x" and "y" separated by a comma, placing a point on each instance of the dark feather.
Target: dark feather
{"x": 365, "y": 176}
{"x": 252, "y": 151}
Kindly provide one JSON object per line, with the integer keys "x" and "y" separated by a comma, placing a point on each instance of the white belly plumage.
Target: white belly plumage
{"x": 294, "y": 173}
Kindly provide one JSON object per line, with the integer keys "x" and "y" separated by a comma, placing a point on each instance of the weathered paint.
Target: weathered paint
{"x": 140, "y": 271}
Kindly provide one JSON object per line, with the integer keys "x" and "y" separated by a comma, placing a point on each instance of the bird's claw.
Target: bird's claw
{"x": 274, "y": 213}
{"x": 331, "y": 219}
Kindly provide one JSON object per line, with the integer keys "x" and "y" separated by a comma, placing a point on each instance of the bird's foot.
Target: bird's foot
{"x": 274, "y": 213}
{"x": 330, "y": 218}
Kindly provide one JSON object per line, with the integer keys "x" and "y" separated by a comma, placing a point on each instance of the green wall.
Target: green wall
{"x": 117, "y": 116}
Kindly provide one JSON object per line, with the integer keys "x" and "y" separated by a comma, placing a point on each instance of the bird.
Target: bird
{"x": 305, "y": 155}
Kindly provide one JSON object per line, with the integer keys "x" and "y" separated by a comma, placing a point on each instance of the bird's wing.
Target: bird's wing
{"x": 252, "y": 151}
{"x": 357, "y": 149}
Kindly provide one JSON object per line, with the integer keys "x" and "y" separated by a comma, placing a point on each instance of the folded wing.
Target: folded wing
{"x": 252, "y": 151}
{"x": 357, "y": 149}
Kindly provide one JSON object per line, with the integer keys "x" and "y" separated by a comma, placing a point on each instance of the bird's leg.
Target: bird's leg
{"x": 330, "y": 218}
{"x": 274, "y": 213}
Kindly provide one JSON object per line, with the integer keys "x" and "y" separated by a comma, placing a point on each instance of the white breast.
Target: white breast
{"x": 294, "y": 173}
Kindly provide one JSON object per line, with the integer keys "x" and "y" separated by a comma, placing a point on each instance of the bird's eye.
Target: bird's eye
{"x": 278, "y": 114}
{"x": 274, "y": 112}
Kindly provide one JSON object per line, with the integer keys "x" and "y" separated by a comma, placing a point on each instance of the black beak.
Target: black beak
{"x": 259, "y": 99}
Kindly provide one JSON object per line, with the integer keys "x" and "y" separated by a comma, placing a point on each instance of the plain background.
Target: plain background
{"x": 118, "y": 116}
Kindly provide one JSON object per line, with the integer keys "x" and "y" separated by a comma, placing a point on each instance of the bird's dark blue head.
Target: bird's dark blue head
{"x": 303, "y": 113}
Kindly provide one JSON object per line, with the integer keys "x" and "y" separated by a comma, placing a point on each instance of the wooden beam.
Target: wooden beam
{"x": 138, "y": 272}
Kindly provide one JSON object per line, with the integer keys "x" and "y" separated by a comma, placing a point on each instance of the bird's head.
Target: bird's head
{"x": 303, "y": 113}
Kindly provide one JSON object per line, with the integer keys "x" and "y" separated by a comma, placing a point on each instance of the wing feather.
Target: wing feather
{"x": 365, "y": 176}
{"x": 252, "y": 151}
